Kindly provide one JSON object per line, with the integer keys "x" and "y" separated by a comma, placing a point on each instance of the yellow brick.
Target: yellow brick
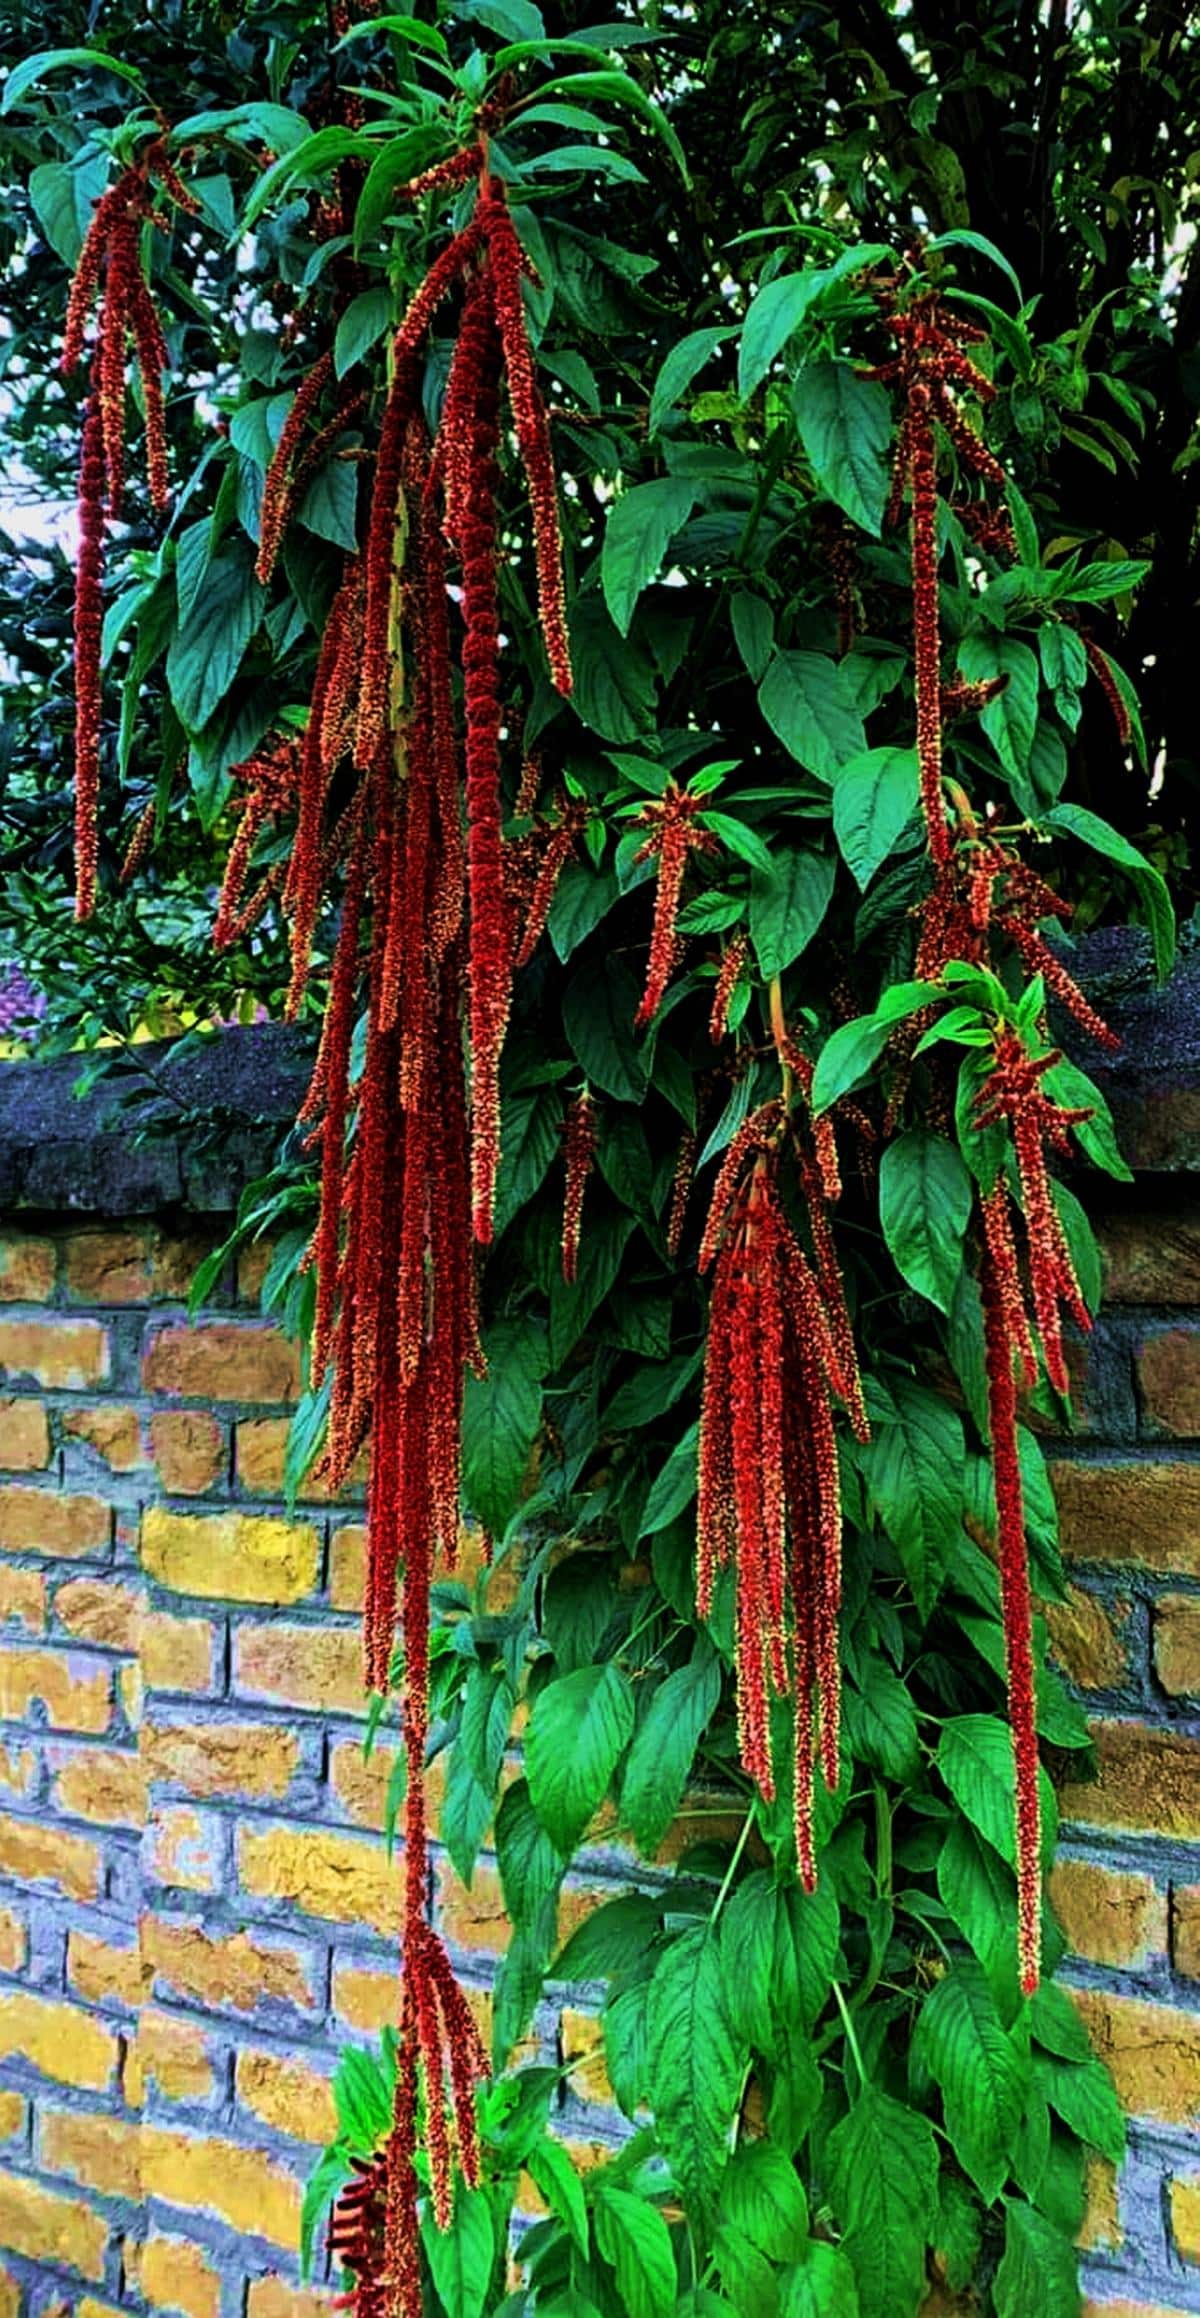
{"x": 1177, "y": 1643}
{"x": 96, "y": 1971}
{"x": 108, "y": 1267}
{"x": 174, "y": 2275}
{"x": 12, "y": 1941}
{"x": 364, "y": 1998}
{"x": 1149, "y": 1782}
{"x": 32, "y": 1853}
{"x": 1141, "y": 1514}
{"x": 270, "y": 2298}
{"x": 477, "y": 1919}
{"x": 76, "y": 1693}
{"x": 1185, "y": 1930}
{"x": 1109, "y": 1917}
{"x": 238, "y": 1557}
{"x": 250, "y": 2192}
{"x": 44, "y": 1521}
{"x": 210, "y": 1758}
{"x": 59, "y": 2039}
{"x": 1153, "y": 2051}
{"x": 320, "y": 1667}
{"x": 1101, "y": 2231}
{"x": 105, "y": 1784}
{"x": 26, "y": 1270}
{"x": 106, "y": 1611}
{"x": 88, "y": 2307}
{"x": 113, "y": 1430}
{"x": 1087, "y": 1640}
{"x": 361, "y": 1782}
{"x": 46, "y": 2227}
{"x": 1130, "y": 2310}
{"x": 344, "y": 1878}
{"x": 23, "y": 1598}
{"x": 10, "y": 2294}
{"x": 348, "y": 1567}
{"x": 176, "y": 1653}
{"x": 14, "y": 2112}
{"x": 172, "y": 2052}
{"x": 189, "y": 1450}
{"x": 61, "y": 1355}
{"x": 24, "y": 1436}
{"x": 19, "y": 1767}
{"x": 222, "y": 1360}
{"x": 99, "y": 2152}
{"x": 582, "y": 2039}
{"x": 261, "y": 1445}
{"x": 1185, "y": 2217}
{"x": 287, "y": 2095}
{"x": 232, "y": 1970}
{"x": 184, "y": 1848}
{"x": 131, "y": 1692}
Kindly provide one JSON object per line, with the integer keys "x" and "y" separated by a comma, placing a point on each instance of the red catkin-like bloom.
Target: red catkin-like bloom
{"x": 674, "y": 837}
{"x": 89, "y": 624}
{"x": 508, "y": 264}
{"x": 1101, "y": 668}
{"x": 681, "y": 1186}
{"x": 580, "y": 1151}
{"x": 727, "y": 981}
{"x": 927, "y": 647}
{"x": 1017, "y": 1608}
{"x": 277, "y": 490}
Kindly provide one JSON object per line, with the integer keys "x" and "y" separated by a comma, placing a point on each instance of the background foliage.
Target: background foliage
{"x": 835, "y": 2097}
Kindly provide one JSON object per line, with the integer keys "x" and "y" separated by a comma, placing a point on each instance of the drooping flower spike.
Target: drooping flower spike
{"x": 580, "y": 1150}
{"x": 674, "y": 836}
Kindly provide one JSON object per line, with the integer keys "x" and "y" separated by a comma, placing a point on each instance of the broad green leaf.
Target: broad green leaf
{"x": 981, "y": 2072}
{"x": 614, "y": 674}
{"x": 883, "y": 2169}
{"x": 845, "y": 425}
{"x": 821, "y": 2284}
{"x": 552, "y": 2172}
{"x": 401, "y": 158}
{"x": 914, "y": 1466}
{"x": 32, "y": 69}
{"x": 660, "y": 1758}
{"x": 64, "y": 196}
{"x": 531, "y": 1869}
{"x": 207, "y": 650}
{"x": 502, "y": 1413}
{"x": 761, "y": 2197}
{"x": 810, "y": 708}
{"x": 1083, "y": 2095}
{"x": 925, "y": 1200}
{"x": 602, "y": 1945}
{"x": 461, "y": 2257}
{"x": 530, "y": 1139}
{"x": 1096, "y": 583}
{"x": 958, "y": 2232}
{"x": 599, "y": 1005}
{"x": 1095, "y": 1135}
{"x": 975, "y": 1759}
{"x": 364, "y": 321}
{"x": 625, "y": 2045}
{"x": 1149, "y": 884}
{"x": 1056, "y": 2024}
{"x": 962, "y": 237}
{"x": 1009, "y": 720}
{"x": 874, "y": 798}
{"x": 673, "y": 1486}
{"x": 328, "y": 506}
{"x": 779, "y": 1949}
{"x": 787, "y": 907}
{"x": 850, "y": 1053}
{"x": 753, "y": 631}
{"x": 881, "y": 1720}
{"x": 634, "y": 2237}
{"x": 579, "y": 1727}
{"x": 641, "y": 524}
{"x": 682, "y": 364}
{"x": 1039, "y": 2268}
{"x": 696, "y": 2066}
{"x": 774, "y": 313}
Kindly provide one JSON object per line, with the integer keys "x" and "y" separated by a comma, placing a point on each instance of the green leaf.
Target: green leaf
{"x": 975, "y": 1759}
{"x": 207, "y": 650}
{"x": 1083, "y": 2095}
{"x": 598, "y": 1010}
{"x": 925, "y": 1200}
{"x": 502, "y": 1413}
{"x": 602, "y": 1945}
{"x": 34, "y": 68}
{"x": 673, "y": 1486}
{"x": 962, "y": 237}
{"x": 787, "y": 907}
{"x": 328, "y": 506}
{"x": 640, "y": 527}
{"x": 958, "y": 2232}
{"x": 1056, "y": 2024}
{"x": 810, "y": 708}
{"x": 850, "y": 1054}
{"x": 779, "y": 1948}
{"x": 635, "y": 2239}
{"x": 774, "y": 313}
{"x": 1154, "y": 900}
{"x": 762, "y": 2199}
{"x": 883, "y": 2170}
{"x": 979, "y": 1894}
{"x": 63, "y": 196}
{"x": 530, "y": 1137}
{"x": 578, "y": 1730}
{"x": 914, "y": 1466}
{"x": 531, "y": 1869}
{"x": 845, "y": 425}
{"x": 660, "y": 1758}
{"x": 461, "y": 2257}
{"x": 363, "y": 323}
{"x": 682, "y": 365}
{"x": 552, "y": 2172}
{"x": 1097, "y": 1136}
{"x": 1039, "y": 2268}
{"x": 821, "y": 2285}
{"x": 1009, "y": 720}
{"x": 874, "y": 798}
{"x": 753, "y": 631}
{"x": 614, "y": 675}
{"x": 982, "y": 2074}
{"x": 1097, "y": 582}
{"x": 696, "y": 2065}
{"x": 881, "y": 1720}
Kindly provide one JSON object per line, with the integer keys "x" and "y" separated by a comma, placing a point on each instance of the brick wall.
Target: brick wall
{"x": 195, "y": 1908}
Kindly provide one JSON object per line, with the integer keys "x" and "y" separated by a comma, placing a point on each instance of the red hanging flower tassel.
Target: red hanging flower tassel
{"x": 580, "y": 1152}
{"x": 674, "y": 836}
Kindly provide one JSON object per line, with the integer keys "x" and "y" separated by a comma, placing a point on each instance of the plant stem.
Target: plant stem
{"x": 851, "y": 2037}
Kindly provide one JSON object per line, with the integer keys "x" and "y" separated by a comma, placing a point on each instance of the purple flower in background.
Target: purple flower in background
{"x": 21, "y": 1006}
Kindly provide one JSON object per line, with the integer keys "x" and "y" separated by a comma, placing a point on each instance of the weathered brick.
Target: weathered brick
{"x": 23, "y": 1598}
{"x": 88, "y": 2306}
{"x": 184, "y": 1849}
{"x": 131, "y": 1692}
{"x": 33, "y": 1853}
{"x": 1149, "y": 1782}
{"x": 1109, "y": 1917}
{"x": 348, "y": 1562}
{"x": 1168, "y": 1379}
{"x": 362, "y": 1997}
{"x": 225, "y": 1969}
{"x": 62, "y": 1355}
{"x": 287, "y": 2094}
{"x": 345, "y": 1879}
{"x": 236, "y": 1557}
{"x": 44, "y": 2226}
{"x": 1151, "y": 1257}
{"x": 1145, "y": 1516}
{"x": 1130, "y": 2310}
{"x": 222, "y": 1360}
{"x": 135, "y": 1265}
{"x": 1153, "y": 2051}
{"x": 172, "y": 2053}
{"x": 45, "y": 1521}
{"x": 477, "y": 1918}
{"x": 250, "y": 2192}
{"x": 10, "y": 2294}
{"x": 1185, "y": 1930}
{"x": 221, "y": 1758}
{"x": 76, "y": 1693}
{"x": 14, "y": 2116}
{"x": 113, "y": 1430}
{"x": 24, "y": 1436}
{"x": 1177, "y": 1643}
{"x": 253, "y": 1264}
{"x": 12, "y": 1941}
{"x": 581, "y": 2036}
{"x": 99, "y": 2152}
{"x": 177, "y": 1653}
{"x": 1087, "y": 1639}
{"x": 104, "y": 1973}
{"x": 261, "y": 1444}
{"x": 61, "y": 2040}
{"x": 271, "y": 2298}
{"x": 348, "y": 1567}
{"x": 360, "y": 1782}
{"x": 107, "y": 1611}
{"x": 320, "y": 1667}
{"x": 19, "y": 1770}
{"x": 104, "y": 1784}
{"x": 174, "y": 2274}
{"x": 1185, "y": 2217}
{"x": 190, "y": 1450}
{"x": 26, "y": 1269}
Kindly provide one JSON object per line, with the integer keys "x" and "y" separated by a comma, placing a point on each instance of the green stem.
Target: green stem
{"x": 732, "y": 1868}
{"x": 851, "y": 2038}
